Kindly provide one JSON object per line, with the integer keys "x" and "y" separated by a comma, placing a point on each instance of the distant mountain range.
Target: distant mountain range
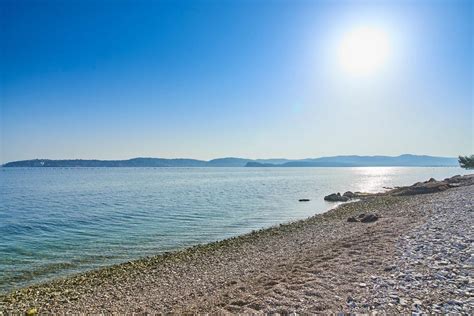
{"x": 334, "y": 161}
{"x": 368, "y": 161}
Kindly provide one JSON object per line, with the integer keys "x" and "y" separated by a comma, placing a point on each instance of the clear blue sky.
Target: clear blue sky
{"x": 257, "y": 79}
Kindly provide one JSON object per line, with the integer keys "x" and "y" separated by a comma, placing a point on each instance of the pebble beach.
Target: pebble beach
{"x": 417, "y": 257}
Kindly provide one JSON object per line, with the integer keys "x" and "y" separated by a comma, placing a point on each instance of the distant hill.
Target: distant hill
{"x": 369, "y": 161}
{"x": 228, "y": 162}
{"x": 335, "y": 161}
{"x": 260, "y": 164}
{"x": 273, "y": 160}
{"x": 135, "y": 162}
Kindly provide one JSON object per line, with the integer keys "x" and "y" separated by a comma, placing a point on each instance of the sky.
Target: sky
{"x": 255, "y": 79}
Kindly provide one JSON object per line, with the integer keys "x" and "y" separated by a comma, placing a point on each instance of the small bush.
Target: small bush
{"x": 466, "y": 162}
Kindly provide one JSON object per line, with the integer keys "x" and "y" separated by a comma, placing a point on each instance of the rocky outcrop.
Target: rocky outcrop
{"x": 422, "y": 188}
{"x": 336, "y": 197}
{"x": 349, "y": 194}
{"x": 430, "y": 186}
{"x": 459, "y": 179}
{"x": 433, "y": 186}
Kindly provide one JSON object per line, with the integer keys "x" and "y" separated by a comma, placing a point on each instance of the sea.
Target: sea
{"x": 56, "y": 222}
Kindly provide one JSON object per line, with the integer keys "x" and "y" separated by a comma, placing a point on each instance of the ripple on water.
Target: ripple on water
{"x": 58, "y": 221}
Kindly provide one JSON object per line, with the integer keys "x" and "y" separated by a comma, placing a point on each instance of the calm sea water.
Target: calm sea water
{"x": 59, "y": 221}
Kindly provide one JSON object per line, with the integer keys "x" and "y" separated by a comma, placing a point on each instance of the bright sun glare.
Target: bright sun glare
{"x": 363, "y": 50}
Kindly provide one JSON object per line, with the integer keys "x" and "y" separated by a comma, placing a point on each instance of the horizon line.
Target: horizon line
{"x": 235, "y": 157}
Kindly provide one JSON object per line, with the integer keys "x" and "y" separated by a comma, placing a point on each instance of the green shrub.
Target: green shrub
{"x": 466, "y": 162}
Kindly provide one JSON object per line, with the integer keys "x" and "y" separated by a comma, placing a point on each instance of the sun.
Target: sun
{"x": 363, "y": 50}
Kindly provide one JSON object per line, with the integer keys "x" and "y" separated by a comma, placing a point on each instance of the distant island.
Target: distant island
{"x": 406, "y": 160}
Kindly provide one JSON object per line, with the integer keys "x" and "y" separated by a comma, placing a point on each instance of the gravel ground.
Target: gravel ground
{"x": 434, "y": 269}
{"x": 417, "y": 257}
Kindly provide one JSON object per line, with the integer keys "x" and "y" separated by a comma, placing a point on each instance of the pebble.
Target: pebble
{"x": 436, "y": 261}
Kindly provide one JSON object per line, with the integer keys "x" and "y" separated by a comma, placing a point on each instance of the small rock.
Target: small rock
{"x": 369, "y": 218}
{"x": 32, "y": 311}
{"x": 395, "y": 298}
{"x": 352, "y": 220}
{"x": 417, "y": 302}
{"x": 303, "y": 200}
{"x": 350, "y": 302}
{"x": 389, "y": 268}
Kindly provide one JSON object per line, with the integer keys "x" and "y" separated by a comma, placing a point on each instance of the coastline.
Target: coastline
{"x": 320, "y": 264}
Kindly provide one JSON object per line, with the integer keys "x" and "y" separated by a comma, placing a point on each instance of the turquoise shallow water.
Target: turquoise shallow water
{"x": 59, "y": 221}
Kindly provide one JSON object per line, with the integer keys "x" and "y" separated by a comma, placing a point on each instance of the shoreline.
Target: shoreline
{"x": 224, "y": 276}
{"x": 174, "y": 255}
{"x": 162, "y": 256}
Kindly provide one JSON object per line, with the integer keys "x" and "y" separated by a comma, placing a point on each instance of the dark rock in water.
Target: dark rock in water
{"x": 349, "y": 194}
{"x": 432, "y": 180}
{"x": 352, "y": 220}
{"x": 369, "y": 218}
{"x": 336, "y": 197}
{"x": 303, "y": 200}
